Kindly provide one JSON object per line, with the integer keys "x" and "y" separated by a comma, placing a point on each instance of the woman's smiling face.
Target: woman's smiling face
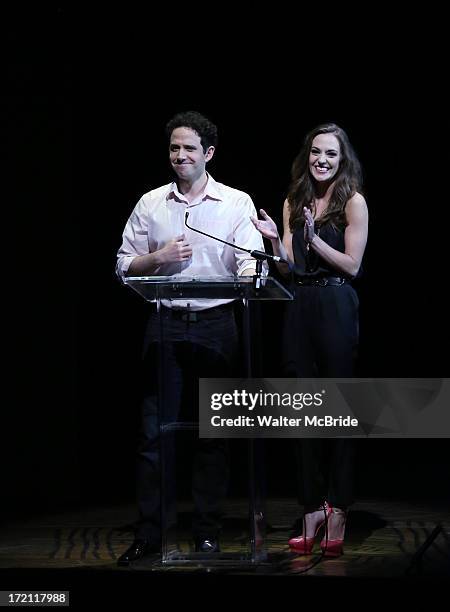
{"x": 324, "y": 157}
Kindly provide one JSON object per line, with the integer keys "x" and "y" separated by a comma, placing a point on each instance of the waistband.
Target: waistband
{"x": 183, "y": 314}
{"x": 324, "y": 281}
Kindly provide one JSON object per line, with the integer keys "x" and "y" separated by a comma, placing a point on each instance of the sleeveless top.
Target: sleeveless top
{"x": 308, "y": 263}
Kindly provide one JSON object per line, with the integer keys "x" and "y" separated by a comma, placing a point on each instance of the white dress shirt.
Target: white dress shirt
{"x": 222, "y": 211}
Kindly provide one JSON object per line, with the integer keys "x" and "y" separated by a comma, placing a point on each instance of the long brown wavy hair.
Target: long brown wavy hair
{"x": 348, "y": 180}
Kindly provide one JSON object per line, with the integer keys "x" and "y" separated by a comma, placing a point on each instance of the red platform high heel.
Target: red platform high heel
{"x": 335, "y": 547}
{"x": 303, "y": 545}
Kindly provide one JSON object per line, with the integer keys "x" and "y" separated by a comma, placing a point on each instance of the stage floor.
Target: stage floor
{"x": 381, "y": 541}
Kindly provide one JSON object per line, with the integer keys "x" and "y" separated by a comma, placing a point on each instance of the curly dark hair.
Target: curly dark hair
{"x": 196, "y": 122}
{"x": 348, "y": 180}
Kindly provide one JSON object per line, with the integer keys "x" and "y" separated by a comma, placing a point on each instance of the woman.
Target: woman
{"x": 325, "y": 223}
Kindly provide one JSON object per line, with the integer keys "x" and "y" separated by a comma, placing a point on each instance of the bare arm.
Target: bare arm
{"x": 355, "y": 237}
{"x": 282, "y": 248}
{"x": 285, "y": 245}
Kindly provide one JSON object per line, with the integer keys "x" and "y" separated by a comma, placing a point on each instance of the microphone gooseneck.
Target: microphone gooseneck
{"x": 186, "y": 215}
{"x": 258, "y": 255}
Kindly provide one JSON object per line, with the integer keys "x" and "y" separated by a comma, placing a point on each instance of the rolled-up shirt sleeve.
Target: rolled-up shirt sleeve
{"x": 247, "y": 236}
{"x": 134, "y": 239}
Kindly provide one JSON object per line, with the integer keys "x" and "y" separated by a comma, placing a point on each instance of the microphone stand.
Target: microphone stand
{"x": 257, "y": 276}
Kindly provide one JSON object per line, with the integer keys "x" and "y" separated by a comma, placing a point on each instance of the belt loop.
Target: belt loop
{"x": 189, "y": 316}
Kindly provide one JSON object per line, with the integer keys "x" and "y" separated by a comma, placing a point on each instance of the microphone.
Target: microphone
{"x": 261, "y": 255}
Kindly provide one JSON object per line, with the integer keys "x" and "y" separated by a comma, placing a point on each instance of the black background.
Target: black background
{"x": 86, "y": 102}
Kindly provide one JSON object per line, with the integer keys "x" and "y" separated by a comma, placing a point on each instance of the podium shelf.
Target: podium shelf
{"x": 153, "y": 288}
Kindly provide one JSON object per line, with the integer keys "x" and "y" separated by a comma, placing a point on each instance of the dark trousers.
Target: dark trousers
{"x": 321, "y": 339}
{"x": 192, "y": 349}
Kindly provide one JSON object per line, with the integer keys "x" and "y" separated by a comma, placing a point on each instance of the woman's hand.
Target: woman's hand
{"x": 309, "y": 226}
{"x": 267, "y": 227}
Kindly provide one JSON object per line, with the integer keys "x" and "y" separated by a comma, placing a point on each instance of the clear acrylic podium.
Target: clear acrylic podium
{"x": 156, "y": 289}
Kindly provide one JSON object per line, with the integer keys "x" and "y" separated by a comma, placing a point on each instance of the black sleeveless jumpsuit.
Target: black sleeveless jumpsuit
{"x": 320, "y": 340}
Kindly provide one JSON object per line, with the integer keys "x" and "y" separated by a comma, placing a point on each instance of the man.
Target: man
{"x": 200, "y": 336}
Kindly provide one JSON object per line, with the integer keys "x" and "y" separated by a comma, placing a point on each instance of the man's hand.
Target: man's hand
{"x": 267, "y": 227}
{"x": 175, "y": 250}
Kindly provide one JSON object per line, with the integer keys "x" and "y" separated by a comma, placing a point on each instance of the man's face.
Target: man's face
{"x": 186, "y": 154}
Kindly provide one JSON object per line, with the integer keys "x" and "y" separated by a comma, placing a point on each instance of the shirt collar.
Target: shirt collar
{"x": 211, "y": 192}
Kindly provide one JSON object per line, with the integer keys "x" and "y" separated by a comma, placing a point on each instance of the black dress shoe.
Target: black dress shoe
{"x": 208, "y": 545}
{"x": 140, "y": 548}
